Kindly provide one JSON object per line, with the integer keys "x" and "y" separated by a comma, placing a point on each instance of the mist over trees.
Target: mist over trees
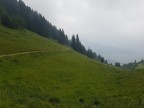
{"x": 15, "y": 14}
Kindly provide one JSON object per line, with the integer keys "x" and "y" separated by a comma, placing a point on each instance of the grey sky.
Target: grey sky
{"x": 113, "y": 23}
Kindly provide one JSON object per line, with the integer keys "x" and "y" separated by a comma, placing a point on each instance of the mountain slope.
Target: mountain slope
{"x": 59, "y": 78}
{"x": 14, "y": 41}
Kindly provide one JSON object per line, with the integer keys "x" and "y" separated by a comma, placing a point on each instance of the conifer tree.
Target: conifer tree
{"x": 73, "y": 42}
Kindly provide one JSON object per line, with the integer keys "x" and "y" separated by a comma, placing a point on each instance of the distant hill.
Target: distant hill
{"x": 114, "y": 54}
{"x": 140, "y": 64}
{"x": 134, "y": 65}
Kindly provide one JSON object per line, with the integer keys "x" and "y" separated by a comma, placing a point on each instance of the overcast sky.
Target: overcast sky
{"x": 113, "y": 23}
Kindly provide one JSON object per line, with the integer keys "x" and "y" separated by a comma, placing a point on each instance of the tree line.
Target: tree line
{"x": 15, "y": 14}
{"x": 76, "y": 45}
{"x": 132, "y": 65}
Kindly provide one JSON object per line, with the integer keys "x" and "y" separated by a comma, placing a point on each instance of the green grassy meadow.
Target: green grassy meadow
{"x": 61, "y": 78}
{"x": 140, "y": 66}
{"x": 14, "y": 41}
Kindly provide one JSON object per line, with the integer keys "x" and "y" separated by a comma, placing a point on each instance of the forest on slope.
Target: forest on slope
{"x": 15, "y": 14}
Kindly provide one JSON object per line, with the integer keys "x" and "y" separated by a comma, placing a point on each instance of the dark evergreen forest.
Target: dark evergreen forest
{"x": 15, "y": 14}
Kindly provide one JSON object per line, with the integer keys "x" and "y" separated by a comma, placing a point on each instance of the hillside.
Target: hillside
{"x": 55, "y": 76}
{"x": 16, "y": 14}
{"x": 13, "y": 41}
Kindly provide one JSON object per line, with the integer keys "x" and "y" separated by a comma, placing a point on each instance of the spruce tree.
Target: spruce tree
{"x": 73, "y": 42}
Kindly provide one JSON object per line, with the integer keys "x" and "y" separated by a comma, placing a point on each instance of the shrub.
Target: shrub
{"x": 81, "y": 100}
{"x": 54, "y": 100}
{"x": 96, "y": 102}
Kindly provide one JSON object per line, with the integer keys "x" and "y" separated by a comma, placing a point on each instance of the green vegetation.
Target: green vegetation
{"x": 140, "y": 66}
{"x": 134, "y": 65}
{"x": 14, "y": 41}
{"x": 59, "y": 78}
{"x": 15, "y": 14}
{"x": 117, "y": 64}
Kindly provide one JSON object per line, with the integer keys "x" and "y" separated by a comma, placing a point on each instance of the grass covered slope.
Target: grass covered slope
{"x": 14, "y": 41}
{"x": 61, "y": 78}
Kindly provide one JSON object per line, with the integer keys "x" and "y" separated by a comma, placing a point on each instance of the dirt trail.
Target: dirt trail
{"x": 29, "y": 52}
